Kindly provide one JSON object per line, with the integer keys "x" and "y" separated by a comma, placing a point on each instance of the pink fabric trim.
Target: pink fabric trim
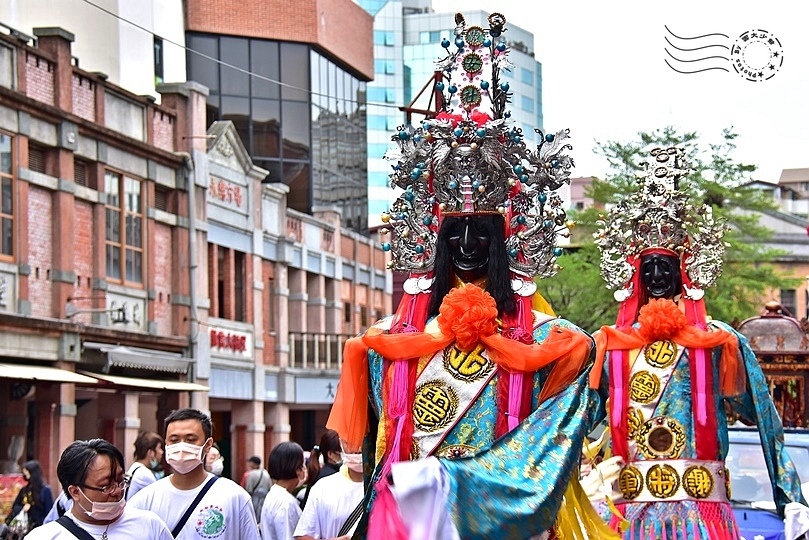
{"x": 514, "y": 399}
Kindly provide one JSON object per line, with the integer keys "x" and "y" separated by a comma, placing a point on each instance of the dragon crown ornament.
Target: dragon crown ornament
{"x": 661, "y": 215}
{"x": 470, "y": 159}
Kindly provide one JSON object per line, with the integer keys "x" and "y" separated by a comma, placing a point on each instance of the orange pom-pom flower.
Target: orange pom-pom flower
{"x": 660, "y": 319}
{"x": 468, "y": 313}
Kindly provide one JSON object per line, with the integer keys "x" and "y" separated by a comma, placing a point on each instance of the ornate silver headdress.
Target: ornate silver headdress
{"x": 661, "y": 215}
{"x": 471, "y": 159}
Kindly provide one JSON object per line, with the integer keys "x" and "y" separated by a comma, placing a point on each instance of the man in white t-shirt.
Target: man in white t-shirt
{"x": 148, "y": 454}
{"x": 332, "y": 501}
{"x": 92, "y": 475}
{"x": 224, "y": 512}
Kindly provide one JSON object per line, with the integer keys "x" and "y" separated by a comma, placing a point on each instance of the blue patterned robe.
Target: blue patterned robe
{"x": 648, "y": 519}
{"x": 509, "y": 488}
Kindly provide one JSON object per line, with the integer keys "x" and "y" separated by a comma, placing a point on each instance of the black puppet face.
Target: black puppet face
{"x": 660, "y": 275}
{"x": 469, "y": 240}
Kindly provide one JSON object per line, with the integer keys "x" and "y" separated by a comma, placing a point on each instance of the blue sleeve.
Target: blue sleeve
{"x": 756, "y": 407}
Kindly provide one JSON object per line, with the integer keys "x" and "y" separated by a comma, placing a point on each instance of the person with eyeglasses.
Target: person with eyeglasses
{"x": 91, "y": 474}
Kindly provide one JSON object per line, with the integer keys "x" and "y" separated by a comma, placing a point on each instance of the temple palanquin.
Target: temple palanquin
{"x": 781, "y": 344}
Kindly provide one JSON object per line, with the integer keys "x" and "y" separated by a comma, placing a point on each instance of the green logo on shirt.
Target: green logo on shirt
{"x": 210, "y": 522}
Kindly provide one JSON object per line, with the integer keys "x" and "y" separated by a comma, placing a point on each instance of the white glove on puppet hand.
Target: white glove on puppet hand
{"x": 796, "y": 521}
{"x": 598, "y": 484}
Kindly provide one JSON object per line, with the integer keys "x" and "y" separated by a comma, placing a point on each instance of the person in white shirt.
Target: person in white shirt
{"x": 332, "y": 500}
{"x": 92, "y": 476}
{"x": 257, "y": 482}
{"x": 61, "y": 505}
{"x": 223, "y": 512}
{"x": 280, "y": 512}
{"x": 148, "y": 455}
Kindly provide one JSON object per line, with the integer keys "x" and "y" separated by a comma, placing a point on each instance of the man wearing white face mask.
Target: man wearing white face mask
{"x": 193, "y": 502}
{"x": 92, "y": 475}
{"x": 330, "y": 510}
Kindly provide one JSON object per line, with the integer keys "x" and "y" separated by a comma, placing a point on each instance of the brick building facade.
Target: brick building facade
{"x": 144, "y": 265}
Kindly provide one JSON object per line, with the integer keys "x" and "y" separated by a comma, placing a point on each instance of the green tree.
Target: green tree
{"x": 579, "y": 293}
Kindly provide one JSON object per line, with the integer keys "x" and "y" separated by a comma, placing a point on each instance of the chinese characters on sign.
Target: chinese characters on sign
{"x": 230, "y": 342}
{"x": 226, "y": 192}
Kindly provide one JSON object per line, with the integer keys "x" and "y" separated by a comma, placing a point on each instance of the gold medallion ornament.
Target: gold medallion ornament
{"x": 661, "y": 438}
{"x": 661, "y": 354}
{"x": 662, "y": 481}
{"x": 434, "y": 406}
{"x": 634, "y": 420}
{"x": 630, "y": 482}
{"x": 644, "y": 387}
{"x": 467, "y": 366}
{"x": 698, "y": 482}
{"x": 456, "y": 451}
{"x": 727, "y": 483}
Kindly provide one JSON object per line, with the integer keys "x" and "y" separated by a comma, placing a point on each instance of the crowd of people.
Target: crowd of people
{"x": 100, "y": 498}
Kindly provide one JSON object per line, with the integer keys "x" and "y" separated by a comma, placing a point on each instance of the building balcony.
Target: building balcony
{"x": 316, "y": 351}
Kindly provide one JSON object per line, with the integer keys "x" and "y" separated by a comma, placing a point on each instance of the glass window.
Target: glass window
{"x": 221, "y": 282}
{"x": 527, "y": 103}
{"x": 234, "y": 53}
{"x": 266, "y": 127}
{"x": 295, "y": 71}
{"x": 295, "y": 128}
{"x": 274, "y": 168}
{"x": 239, "y": 286}
{"x": 237, "y": 110}
{"x": 158, "y": 60}
{"x": 264, "y": 62}
{"x": 377, "y": 94}
{"x": 789, "y": 301}
{"x": 124, "y": 228}
{"x": 6, "y": 196}
{"x": 296, "y": 176}
{"x": 377, "y": 122}
{"x": 377, "y": 150}
{"x": 424, "y": 37}
{"x": 526, "y": 76}
{"x": 201, "y": 61}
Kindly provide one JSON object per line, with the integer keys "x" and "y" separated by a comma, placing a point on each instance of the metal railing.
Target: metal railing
{"x": 312, "y": 350}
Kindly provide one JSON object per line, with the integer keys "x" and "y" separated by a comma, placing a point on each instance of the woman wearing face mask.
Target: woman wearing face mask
{"x": 35, "y": 497}
{"x": 333, "y": 500}
{"x": 280, "y": 512}
{"x": 214, "y": 462}
{"x": 92, "y": 475}
{"x": 148, "y": 456}
{"x": 329, "y": 451}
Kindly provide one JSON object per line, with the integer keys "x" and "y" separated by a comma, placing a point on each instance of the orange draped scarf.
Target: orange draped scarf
{"x": 661, "y": 319}
{"x": 467, "y": 316}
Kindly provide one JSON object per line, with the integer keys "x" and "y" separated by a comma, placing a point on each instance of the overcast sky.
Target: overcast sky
{"x": 605, "y": 75}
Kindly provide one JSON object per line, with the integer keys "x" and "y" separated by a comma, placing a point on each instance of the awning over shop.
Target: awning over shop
{"x": 42, "y": 373}
{"x": 148, "y": 383}
{"x": 135, "y": 357}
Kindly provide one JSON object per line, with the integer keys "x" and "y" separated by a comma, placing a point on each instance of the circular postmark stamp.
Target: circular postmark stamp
{"x": 757, "y": 55}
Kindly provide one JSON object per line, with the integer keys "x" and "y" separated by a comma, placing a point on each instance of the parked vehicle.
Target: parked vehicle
{"x": 751, "y": 491}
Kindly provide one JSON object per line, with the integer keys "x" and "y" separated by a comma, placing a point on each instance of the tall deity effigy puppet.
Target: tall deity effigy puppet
{"x": 470, "y": 404}
{"x": 674, "y": 373}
